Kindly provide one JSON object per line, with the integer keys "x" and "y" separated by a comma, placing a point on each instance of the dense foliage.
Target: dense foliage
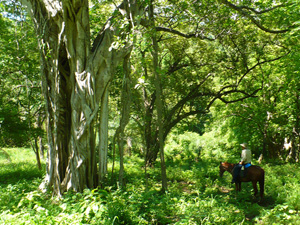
{"x": 20, "y": 92}
{"x": 197, "y": 195}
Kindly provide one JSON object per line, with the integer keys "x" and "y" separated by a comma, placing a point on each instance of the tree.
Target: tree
{"x": 75, "y": 77}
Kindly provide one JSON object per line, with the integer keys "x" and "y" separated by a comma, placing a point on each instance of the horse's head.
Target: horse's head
{"x": 225, "y": 166}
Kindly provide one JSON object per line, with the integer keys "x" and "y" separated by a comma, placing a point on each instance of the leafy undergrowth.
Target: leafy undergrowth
{"x": 196, "y": 195}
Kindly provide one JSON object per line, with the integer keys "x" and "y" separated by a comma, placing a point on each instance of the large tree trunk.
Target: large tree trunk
{"x": 75, "y": 77}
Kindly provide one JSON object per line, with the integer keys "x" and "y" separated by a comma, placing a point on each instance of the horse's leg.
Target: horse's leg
{"x": 261, "y": 188}
{"x": 254, "y": 183}
{"x": 236, "y": 186}
{"x": 240, "y": 186}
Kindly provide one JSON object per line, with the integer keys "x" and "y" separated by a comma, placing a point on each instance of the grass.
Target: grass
{"x": 18, "y": 176}
{"x": 196, "y": 195}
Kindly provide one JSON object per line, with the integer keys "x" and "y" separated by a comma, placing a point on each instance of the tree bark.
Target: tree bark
{"x": 35, "y": 148}
{"x": 103, "y": 138}
{"x": 75, "y": 77}
{"x": 159, "y": 104}
{"x": 125, "y": 116}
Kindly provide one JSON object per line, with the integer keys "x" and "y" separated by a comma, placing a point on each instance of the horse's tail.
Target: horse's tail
{"x": 262, "y": 184}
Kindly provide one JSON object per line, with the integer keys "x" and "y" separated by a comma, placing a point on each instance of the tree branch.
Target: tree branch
{"x": 176, "y": 66}
{"x": 246, "y": 95}
{"x": 241, "y": 10}
{"x": 191, "y": 95}
{"x": 260, "y": 63}
{"x": 263, "y": 11}
{"x": 172, "y": 123}
{"x": 190, "y": 35}
{"x": 145, "y": 23}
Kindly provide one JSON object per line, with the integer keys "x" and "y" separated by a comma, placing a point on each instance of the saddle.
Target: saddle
{"x": 243, "y": 171}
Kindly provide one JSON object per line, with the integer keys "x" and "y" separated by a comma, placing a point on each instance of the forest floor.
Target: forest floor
{"x": 196, "y": 195}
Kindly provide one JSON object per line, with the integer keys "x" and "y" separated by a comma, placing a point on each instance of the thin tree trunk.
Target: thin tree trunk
{"x": 121, "y": 152}
{"x": 159, "y": 104}
{"x": 113, "y": 159}
{"x": 35, "y": 148}
{"x": 296, "y": 129}
{"x": 41, "y": 148}
{"x": 103, "y": 138}
{"x": 40, "y": 119}
{"x": 125, "y": 116}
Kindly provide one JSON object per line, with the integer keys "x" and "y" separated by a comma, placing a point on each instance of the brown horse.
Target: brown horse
{"x": 253, "y": 173}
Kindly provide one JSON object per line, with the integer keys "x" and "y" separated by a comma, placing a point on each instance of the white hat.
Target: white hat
{"x": 244, "y": 145}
